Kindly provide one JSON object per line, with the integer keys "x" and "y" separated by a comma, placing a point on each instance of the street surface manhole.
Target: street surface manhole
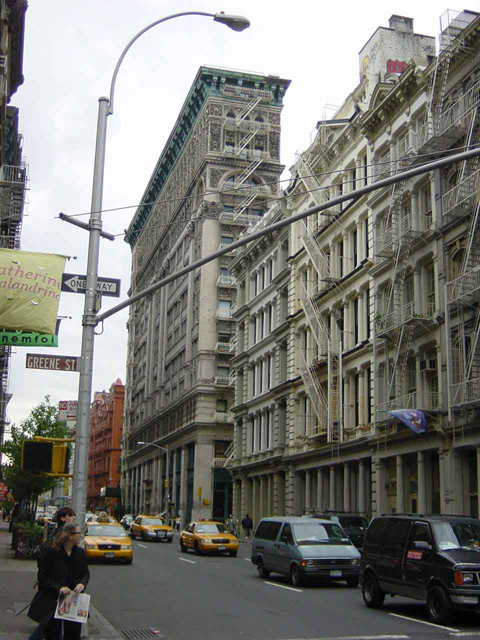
{"x": 142, "y": 634}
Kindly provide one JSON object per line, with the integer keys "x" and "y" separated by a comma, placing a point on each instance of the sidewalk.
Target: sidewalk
{"x": 17, "y": 579}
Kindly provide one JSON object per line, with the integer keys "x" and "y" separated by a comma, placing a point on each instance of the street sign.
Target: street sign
{"x": 67, "y": 410}
{"x": 53, "y": 363}
{"x": 74, "y": 283}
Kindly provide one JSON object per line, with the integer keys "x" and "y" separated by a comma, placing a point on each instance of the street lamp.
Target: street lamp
{"x": 89, "y": 319}
{"x": 153, "y": 444}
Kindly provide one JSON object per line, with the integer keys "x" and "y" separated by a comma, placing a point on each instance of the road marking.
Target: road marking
{"x": 144, "y": 546}
{"x": 378, "y": 637}
{"x": 431, "y": 624}
{"x": 282, "y": 586}
{"x": 185, "y": 560}
{"x": 247, "y": 559}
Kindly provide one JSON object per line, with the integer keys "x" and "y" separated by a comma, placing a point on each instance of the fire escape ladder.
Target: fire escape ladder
{"x": 248, "y": 172}
{"x": 314, "y": 391}
{"x": 316, "y": 322}
{"x": 314, "y": 188}
{"x": 249, "y": 108}
{"x": 245, "y": 141}
{"x": 244, "y": 204}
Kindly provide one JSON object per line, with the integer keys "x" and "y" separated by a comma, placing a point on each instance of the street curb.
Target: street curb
{"x": 103, "y": 626}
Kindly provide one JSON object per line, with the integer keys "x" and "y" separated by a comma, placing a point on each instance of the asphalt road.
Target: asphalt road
{"x": 189, "y": 597}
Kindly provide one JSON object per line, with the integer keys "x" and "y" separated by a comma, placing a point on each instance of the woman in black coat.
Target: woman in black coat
{"x": 64, "y": 569}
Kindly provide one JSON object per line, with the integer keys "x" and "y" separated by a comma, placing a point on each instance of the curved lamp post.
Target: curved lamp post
{"x": 89, "y": 319}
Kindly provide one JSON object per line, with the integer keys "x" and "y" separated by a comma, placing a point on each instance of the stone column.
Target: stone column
{"x": 269, "y": 511}
{"x": 332, "y": 496}
{"x": 362, "y": 506}
{"x": 380, "y": 495}
{"x": 401, "y": 505}
{"x": 346, "y": 488}
{"x": 422, "y": 483}
{"x": 320, "y": 489}
{"x": 183, "y": 485}
{"x": 308, "y": 492}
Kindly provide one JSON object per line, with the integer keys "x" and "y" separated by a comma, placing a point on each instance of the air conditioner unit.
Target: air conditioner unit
{"x": 428, "y": 365}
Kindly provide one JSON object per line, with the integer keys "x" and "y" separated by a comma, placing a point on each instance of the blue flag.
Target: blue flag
{"x": 413, "y": 418}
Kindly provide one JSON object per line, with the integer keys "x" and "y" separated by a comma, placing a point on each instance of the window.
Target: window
{"x": 430, "y": 288}
{"x": 226, "y": 240}
{"x": 225, "y": 308}
{"x": 221, "y": 406}
{"x": 355, "y": 247}
{"x": 340, "y": 259}
{"x": 355, "y": 320}
{"x": 364, "y": 169}
{"x": 223, "y": 372}
{"x": 426, "y": 207}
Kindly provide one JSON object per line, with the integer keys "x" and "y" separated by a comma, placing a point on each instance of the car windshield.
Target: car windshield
{"x": 457, "y": 535}
{"x": 353, "y": 521}
{"x": 106, "y": 530}
{"x": 149, "y": 521}
{"x": 320, "y": 533}
{"x": 210, "y": 528}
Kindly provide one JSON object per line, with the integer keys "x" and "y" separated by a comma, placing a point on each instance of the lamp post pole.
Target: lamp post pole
{"x": 89, "y": 319}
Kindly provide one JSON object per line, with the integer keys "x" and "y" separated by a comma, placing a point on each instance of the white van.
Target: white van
{"x": 305, "y": 548}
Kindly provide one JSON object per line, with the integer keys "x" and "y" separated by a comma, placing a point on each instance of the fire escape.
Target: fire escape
{"x": 322, "y": 361}
{"x": 12, "y": 198}
{"x": 460, "y": 205}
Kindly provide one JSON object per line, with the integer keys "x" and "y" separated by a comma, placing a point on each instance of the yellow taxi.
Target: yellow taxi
{"x": 151, "y": 528}
{"x": 206, "y": 536}
{"x": 107, "y": 541}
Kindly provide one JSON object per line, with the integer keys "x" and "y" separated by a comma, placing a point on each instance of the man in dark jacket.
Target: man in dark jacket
{"x": 247, "y": 525}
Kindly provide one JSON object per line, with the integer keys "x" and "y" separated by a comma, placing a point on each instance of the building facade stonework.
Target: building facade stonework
{"x": 370, "y": 310}
{"x": 216, "y": 176}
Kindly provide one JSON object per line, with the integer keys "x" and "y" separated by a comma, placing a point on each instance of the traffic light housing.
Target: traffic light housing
{"x": 166, "y": 483}
{"x": 48, "y": 457}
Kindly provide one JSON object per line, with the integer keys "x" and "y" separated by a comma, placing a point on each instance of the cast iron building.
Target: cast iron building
{"x": 13, "y": 173}
{"x": 383, "y": 314}
{"x": 216, "y": 175}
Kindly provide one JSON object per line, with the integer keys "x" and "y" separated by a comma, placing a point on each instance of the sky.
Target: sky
{"x": 71, "y": 49}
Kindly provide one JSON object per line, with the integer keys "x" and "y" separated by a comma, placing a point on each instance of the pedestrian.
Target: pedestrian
{"x": 178, "y": 523}
{"x": 13, "y": 516}
{"x": 63, "y": 570}
{"x": 62, "y": 517}
{"x": 247, "y": 525}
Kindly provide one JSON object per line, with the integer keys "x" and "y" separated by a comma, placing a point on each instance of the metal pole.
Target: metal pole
{"x": 352, "y": 195}
{"x": 89, "y": 321}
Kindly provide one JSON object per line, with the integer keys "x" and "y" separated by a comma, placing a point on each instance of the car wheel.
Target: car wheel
{"x": 144, "y": 537}
{"x": 353, "y": 581}
{"x": 197, "y": 549}
{"x": 169, "y": 539}
{"x": 295, "y": 576}
{"x": 129, "y": 561}
{"x": 439, "y": 606}
{"x": 373, "y": 596}
{"x": 262, "y": 572}
{"x": 183, "y": 548}
{"x": 132, "y": 535}
{"x": 233, "y": 554}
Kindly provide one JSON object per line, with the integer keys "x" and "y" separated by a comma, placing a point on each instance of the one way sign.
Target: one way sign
{"x": 74, "y": 283}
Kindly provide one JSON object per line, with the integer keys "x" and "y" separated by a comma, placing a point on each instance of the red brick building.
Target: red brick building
{"x": 106, "y": 424}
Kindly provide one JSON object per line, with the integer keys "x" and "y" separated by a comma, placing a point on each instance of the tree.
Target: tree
{"x": 42, "y": 421}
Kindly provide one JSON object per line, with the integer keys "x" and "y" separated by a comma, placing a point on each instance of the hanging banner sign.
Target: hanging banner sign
{"x": 29, "y": 338}
{"x": 30, "y": 285}
{"x": 414, "y": 419}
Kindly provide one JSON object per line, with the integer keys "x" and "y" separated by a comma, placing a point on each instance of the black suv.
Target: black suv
{"x": 433, "y": 558}
{"x": 353, "y": 524}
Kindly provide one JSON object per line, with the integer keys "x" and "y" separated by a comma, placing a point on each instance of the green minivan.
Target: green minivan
{"x": 305, "y": 549}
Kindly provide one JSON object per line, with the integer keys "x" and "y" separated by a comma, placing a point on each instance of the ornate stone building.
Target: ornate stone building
{"x": 216, "y": 176}
{"x": 381, "y": 329}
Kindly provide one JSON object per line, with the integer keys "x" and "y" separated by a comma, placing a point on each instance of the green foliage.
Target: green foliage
{"x": 42, "y": 421}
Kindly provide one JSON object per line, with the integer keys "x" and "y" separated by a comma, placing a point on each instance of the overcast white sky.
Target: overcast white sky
{"x": 71, "y": 49}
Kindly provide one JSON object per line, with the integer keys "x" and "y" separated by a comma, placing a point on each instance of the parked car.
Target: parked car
{"x": 126, "y": 521}
{"x": 353, "y": 524}
{"x": 304, "y": 548}
{"x": 430, "y": 558}
{"x": 208, "y": 536}
{"x": 151, "y": 528}
{"x": 107, "y": 541}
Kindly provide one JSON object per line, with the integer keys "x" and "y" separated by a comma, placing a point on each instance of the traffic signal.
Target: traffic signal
{"x": 166, "y": 483}
{"x": 46, "y": 457}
